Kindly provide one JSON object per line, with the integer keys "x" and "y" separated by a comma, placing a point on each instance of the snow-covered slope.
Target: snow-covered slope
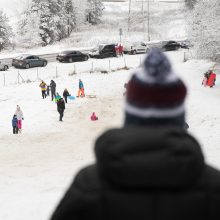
{"x": 37, "y": 166}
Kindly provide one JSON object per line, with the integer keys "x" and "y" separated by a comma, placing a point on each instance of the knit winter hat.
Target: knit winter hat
{"x": 155, "y": 95}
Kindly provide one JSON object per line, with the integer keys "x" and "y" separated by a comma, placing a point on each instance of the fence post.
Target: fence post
{"x": 74, "y": 68}
{"x": 184, "y": 57}
{"x": 18, "y": 76}
{"x": 140, "y": 60}
{"x": 125, "y": 62}
{"x": 56, "y": 72}
{"x": 92, "y": 67}
{"x": 109, "y": 65}
{"x": 37, "y": 75}
{"x": 4, "y": 79}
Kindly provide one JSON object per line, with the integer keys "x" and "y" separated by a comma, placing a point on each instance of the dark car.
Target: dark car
{"x": 103, "y": 51}
{"x": 186, "y": 44}
{"x": 27, "y": 61}
{"x": 72, "y": 56}
{"x": 171, "y": 45}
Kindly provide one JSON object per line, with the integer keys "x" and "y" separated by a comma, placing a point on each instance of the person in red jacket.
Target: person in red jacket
{"x": 121, "y": 50}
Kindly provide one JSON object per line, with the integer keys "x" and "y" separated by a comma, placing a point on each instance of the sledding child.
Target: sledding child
{"x": 93, "y": 117}
{"x": 65, "y": 94}
{"x": 15, "y": 124}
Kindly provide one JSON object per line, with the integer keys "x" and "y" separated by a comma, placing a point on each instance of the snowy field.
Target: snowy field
{"x": 38, "y": 165}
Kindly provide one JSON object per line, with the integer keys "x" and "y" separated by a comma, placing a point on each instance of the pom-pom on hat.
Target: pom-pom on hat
{"x": 155, "y": 95}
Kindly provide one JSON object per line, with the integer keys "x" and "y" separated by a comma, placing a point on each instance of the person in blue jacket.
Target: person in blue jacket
{"x": 15, "y": 124}
{"x": 81, "y": 92}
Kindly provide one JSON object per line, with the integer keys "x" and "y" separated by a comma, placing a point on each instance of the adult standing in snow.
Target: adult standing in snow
{"x": 151, "y": 168}
{"x": 43, "y": 87}
{"x": 81, "y": 92}
{"x": 65, "y": 94}
{"x": 61, "y": 108}
{"x": 20, "y": 117}
{"x": 121, "y": 50}
{"x": 53, "y": 89}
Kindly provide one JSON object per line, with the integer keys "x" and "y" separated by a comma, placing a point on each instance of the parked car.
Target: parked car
{"x": 27, "y": 61}
{"x": 186, "y": 44}
{"x": 103, "y": 51}
{"x": 136, "y": 47}
{"x": 72, "y": 56}
{"x": 3, "y": 66}
{"x": 171, "y": 45}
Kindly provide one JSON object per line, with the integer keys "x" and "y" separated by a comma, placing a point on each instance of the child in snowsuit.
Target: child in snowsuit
{"x": 61, "y": 108}
{"x": 81, "y": 89}
{"x": 93, "y": 117}
{"x": 65, "y": 94}
{"x": 15, "y": 124}
{"x": 48, "y": 90}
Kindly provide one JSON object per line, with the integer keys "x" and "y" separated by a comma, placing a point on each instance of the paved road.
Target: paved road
{"x": 51, "y": 57}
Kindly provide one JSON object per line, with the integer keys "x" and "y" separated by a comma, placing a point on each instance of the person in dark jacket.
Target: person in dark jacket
{"x": 65, "y": 94}
{"x": 53, "y": 89}
{"x": 61, "y": 108}
{"x": 151, "y": 168}
{"x": 15, "y": 124}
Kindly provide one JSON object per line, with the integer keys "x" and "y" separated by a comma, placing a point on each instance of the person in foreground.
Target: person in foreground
{"x": 151, "y": 168}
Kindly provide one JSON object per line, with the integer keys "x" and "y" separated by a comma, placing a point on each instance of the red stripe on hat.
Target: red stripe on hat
{"x": 154, "y": 94}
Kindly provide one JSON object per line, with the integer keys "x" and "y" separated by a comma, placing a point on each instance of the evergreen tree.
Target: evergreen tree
{"x": 94, "y": 11}
{"x": 190, "y": 4}
{"x": 5, "y": 31}
{"x": 70, "y": 17}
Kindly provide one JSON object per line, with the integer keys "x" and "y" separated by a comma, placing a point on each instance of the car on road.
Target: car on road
{"x": 103, "y": 51}
{"x": 72, "y": 56}
{"x": 171, "y": 45}
{"x": 136, "y": 47}
{"x": 27, "y": 61}
{"x": 3, "y": 66}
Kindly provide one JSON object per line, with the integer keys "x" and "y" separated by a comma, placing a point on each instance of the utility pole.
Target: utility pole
{"x": 129, "y": 14}
{"x": 143, "y": 17}
{"x": 148, "y": 19}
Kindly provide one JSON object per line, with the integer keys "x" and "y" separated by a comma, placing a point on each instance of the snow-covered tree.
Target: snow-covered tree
{"x": 190, "y": 3}
{"x": 204, "y": 28}
{"x": 28, "y": 30}
{"x": 94, "y": 11}
{"x": 5, "y": 31}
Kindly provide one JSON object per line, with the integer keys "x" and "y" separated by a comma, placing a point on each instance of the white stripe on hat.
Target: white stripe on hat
{"x": 154, "y": 112}
{"x": 144, "y": 77}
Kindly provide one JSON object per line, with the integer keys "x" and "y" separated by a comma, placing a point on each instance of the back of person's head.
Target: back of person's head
{"x": 155, "y": 94}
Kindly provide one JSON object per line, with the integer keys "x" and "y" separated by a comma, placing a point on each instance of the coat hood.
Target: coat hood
{"x": 149, "y": 157}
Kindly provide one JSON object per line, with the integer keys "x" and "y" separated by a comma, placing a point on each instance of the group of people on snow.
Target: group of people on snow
{"x": 119, "y": 49}
{"x": 17, "y": 120}
{"x": 151, "y": 167}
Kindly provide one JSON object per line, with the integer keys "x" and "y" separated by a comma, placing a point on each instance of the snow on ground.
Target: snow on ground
{"x": 37, "y": 166}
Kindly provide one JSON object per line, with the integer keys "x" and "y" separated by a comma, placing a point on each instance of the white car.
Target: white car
{"x": 3, "y": 66}
{"x": 137, "y": 47}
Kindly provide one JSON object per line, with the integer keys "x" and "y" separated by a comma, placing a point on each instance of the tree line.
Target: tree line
{"x": 47, "y": 21}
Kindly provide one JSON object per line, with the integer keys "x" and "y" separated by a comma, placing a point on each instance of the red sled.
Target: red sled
{"x": 211, "y": 80}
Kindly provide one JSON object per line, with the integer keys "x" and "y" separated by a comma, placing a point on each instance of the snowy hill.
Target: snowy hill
{"x": 37, "y": 166}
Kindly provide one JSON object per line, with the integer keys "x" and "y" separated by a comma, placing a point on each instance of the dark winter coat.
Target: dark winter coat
{"x": 60, "y": 105}
{"x": 144, "y": 174}
{"x": 14, "y": 121}
{"x": 53, "y": 86}
{"x": 66, "y": 93}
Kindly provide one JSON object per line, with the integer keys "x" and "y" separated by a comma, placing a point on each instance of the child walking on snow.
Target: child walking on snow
{"x": 15, "y": 124}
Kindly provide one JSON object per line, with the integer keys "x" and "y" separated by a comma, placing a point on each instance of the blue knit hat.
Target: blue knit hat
{"x": 155, "y": 95}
